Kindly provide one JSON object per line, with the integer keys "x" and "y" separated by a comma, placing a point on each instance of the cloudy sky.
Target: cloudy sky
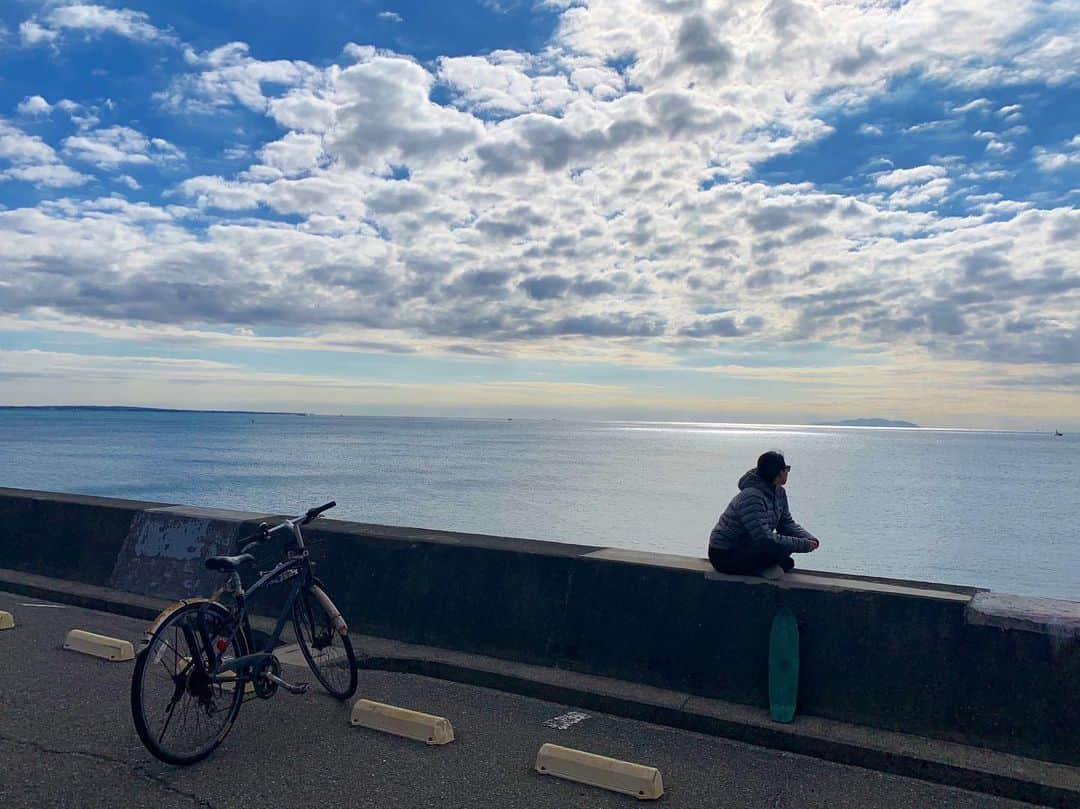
{"x": 775, "y": 211}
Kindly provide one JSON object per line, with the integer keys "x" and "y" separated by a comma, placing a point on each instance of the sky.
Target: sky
{"x": 780, "y": 211}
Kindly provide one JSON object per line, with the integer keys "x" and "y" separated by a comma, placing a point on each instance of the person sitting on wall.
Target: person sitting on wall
{"x": 756, "y": 534}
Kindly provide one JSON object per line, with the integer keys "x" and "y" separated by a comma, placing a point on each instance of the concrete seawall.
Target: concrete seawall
{"x": 947, "y": 662}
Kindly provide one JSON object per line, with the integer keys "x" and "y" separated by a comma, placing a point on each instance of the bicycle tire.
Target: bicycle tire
{"x": 319, "y": 643}
{"x": 163, "y": 662}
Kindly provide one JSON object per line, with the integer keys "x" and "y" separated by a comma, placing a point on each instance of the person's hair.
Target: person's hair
{"x": 769, "y": 464}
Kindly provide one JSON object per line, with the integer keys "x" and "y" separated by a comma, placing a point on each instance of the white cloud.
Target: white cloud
{"x": 32, "y": 160}
{"x": 31, "y": 33}
{"x": 294, "y": 154}
{"x": 303, "y": 110}
{"x": 1011, "y": 113}
{"x": 384, "y": 115}
{"x": 82, "y": 116}
{"x": 912, "y": 196}
{"x": 1067, "y": 155}
{"x": 118, "y": 145}
{"x": 389, "y": 16}
{"x": 555, "y": 208}
{"x": 926, "y": 126}
{"x": 90, "y": 20}
{"x": 900, "y": 177}
{"x": 19, "y": 147}
{"x": 48, "y": 175}
{"x": 974, "y": 105}
{"x": 512, "y": 83}
{"x": 33, "y": 106}
{"x": 229, "y": 74}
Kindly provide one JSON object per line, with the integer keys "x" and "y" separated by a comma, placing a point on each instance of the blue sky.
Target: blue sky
{"x": 778, "y": 211}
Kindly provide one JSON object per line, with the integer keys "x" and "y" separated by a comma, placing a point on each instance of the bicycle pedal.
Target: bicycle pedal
{"x": 298, "y": 688}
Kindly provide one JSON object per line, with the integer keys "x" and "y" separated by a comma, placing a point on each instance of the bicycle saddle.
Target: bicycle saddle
{"x": 228, "y": 562}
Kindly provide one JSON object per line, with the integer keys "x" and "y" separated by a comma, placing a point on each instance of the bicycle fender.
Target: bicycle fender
{"x": 169, "y": 610}
{"x": 335, "y": 615}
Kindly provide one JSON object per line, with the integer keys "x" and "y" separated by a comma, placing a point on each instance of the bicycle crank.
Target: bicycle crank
{"x": 269, "y": 680}
{"x": 298, "y": 688}
{"x": 265, "y": 682}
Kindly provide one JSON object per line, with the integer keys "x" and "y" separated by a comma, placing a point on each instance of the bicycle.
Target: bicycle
{"x": 198, "y": 663}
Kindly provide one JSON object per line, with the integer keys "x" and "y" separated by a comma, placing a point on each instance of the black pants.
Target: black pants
{"x": 749, "y": 560}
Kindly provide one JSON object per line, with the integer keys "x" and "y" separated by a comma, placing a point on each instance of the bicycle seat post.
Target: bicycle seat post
{"x": 233, "y": 585}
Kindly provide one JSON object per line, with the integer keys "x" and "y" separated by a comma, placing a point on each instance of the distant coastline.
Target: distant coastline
{"x": 866, "y": 423}
{"x": 129, "y": 409}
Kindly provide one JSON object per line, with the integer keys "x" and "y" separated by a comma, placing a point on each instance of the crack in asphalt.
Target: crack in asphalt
{"x": 137, "y": 769}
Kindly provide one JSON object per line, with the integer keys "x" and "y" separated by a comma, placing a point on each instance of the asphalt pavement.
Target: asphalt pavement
{"x": 67, "y": 740}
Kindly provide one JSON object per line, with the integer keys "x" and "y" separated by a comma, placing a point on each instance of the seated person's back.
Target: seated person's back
{"x": 756, "y": 534}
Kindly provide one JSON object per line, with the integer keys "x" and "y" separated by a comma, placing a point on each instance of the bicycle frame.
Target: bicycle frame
{"x": 240, "y": 668}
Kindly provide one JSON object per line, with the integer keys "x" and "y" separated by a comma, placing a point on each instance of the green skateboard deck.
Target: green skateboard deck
{"x": 783, "y": 666}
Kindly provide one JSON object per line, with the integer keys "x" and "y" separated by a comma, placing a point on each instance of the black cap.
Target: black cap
{"x": 770, "y": 464}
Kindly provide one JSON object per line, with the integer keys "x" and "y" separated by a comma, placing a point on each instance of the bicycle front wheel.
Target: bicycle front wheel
{"x": 329, "y": 654}
{"x": 180, "y": 713}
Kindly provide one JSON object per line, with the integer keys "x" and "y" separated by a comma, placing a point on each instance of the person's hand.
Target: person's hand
{"x": 816, "y": 545}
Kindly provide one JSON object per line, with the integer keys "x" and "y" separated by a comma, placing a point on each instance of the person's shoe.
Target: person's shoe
{"x": 772, "y": 572}
{"x": 787, "y": 564}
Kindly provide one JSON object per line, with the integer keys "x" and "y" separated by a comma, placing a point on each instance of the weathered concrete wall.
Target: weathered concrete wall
{"x": 907, "y": 656}
{"x": 164, "y": 550}
{"x": 69, "y": 536}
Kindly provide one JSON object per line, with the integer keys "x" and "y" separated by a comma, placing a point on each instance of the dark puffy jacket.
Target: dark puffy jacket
{"x": 759, "y": 515}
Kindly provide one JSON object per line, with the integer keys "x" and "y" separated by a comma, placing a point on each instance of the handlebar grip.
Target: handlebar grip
{"x": 315, "y": 512}
{"x": 254, "y": 539}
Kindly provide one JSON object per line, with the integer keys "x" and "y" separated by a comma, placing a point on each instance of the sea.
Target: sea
{"x": 998, "y": 510}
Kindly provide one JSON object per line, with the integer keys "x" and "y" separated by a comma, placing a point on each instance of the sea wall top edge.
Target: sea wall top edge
{"x": 676, "y": 563}
{"x": 82, "y": 499}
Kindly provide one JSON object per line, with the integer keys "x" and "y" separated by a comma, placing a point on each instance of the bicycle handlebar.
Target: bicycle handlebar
{"x": 312, "y": 513}
{"x": 263, "y": 534}
{"x": 265, "y": 530}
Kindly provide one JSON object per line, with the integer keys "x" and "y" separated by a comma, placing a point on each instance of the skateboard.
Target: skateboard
{"x": 783, "y": 666}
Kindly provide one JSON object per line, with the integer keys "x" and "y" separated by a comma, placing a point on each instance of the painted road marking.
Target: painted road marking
{"x": 644, "y": 783}
{"x": 291, "y": 655}
{"x": 565, "y": 720}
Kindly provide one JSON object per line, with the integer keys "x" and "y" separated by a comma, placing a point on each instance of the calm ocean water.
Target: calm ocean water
{"x": 996, "y": 510}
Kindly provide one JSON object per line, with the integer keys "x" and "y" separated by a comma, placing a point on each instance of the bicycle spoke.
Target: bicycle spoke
{"x": 168, "y": 719}
{"x": 183, "y": 711}
{"x": 326, "y": 652}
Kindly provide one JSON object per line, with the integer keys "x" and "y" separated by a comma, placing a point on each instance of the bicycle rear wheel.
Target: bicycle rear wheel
{"x": 180, "y": 714}
{"x": 329, "y": 654}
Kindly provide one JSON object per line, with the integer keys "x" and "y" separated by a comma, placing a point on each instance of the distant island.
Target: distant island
{"x": 128, "y": 409}
{"x": 866, "y": 423}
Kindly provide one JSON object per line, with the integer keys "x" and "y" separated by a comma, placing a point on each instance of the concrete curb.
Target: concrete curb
{"x": 972, "y": 768}
{"x": 969, "y": 768}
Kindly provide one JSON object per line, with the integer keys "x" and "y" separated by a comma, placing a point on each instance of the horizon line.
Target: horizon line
{"x": 677, "y": 422}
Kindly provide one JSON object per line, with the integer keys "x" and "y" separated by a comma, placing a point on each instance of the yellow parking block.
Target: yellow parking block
{"x": 7, "y": 621}
{"x": 99, "y": 645}
{"x": 422, "y": 727}
{"x": 644, "y": 783}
